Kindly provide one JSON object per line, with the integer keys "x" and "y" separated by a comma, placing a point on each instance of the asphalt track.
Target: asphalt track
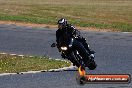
{"x": 113, "y": 56}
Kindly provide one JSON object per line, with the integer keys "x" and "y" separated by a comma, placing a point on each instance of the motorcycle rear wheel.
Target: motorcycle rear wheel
{"x": 92, "y": 65}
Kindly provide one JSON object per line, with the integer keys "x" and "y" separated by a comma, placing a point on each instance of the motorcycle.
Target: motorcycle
{"x": 77, "y": 52}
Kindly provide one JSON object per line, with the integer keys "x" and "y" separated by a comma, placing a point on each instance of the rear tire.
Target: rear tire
{"x": 92, "y": 65}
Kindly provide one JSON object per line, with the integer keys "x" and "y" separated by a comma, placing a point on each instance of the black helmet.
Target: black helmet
{"x": 62, "y": 21}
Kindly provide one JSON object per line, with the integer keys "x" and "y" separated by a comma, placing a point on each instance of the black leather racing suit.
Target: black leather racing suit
{"x": 71, "y": 32}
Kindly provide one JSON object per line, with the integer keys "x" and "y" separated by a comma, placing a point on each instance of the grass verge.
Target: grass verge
{"x": 9, "y": 63}
{"x": 108, "y": 14}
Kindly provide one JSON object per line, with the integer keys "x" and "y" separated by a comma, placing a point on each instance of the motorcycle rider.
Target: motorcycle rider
{"x": 63, "y": 26}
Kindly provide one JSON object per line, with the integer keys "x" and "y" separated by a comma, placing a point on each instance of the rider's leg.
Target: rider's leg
{"x": 82, "y": 51}
{"x": 83, "y": 41}
{"x": 71, "y": 57}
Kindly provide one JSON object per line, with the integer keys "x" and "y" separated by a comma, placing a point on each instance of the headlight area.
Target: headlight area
{"x": 63, "y": 48}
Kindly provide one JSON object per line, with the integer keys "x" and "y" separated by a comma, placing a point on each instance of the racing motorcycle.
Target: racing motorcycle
{"x": 79, "y": 55}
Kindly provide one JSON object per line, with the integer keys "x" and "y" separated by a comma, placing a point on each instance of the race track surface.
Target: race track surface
{"x": 113, "y": 56}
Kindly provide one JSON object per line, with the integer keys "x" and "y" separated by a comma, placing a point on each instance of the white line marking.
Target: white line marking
{"x": 3, "y": 53}
{"x": 21, "y": 55}
{"x": 51, "y": 70}
{"x": 13, "y": 54}
{"x": 126, "y": 32}
{"x": 31, "y": 56}
{"x": 4, "y": 74}
{"x": 29, "y": 72}
{"x": 58, "y": 59}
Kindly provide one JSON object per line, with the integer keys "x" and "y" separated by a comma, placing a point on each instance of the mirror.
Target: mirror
{"x": 53, "y": 45}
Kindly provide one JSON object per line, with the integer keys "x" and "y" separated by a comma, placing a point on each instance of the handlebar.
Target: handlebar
{"x": 53, "y": 45}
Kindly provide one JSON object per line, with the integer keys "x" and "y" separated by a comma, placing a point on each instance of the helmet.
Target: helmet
{"x": 62, "y": 23}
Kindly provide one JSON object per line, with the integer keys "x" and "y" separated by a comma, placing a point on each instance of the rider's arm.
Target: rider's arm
{"x": 75, "y": 32}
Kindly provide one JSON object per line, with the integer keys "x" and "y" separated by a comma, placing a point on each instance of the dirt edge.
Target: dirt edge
{"x": 55, "y": 26}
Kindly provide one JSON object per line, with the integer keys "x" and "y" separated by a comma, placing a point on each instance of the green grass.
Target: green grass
{"x": 112, "y": 14}
{"x": 10, "y": 63}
